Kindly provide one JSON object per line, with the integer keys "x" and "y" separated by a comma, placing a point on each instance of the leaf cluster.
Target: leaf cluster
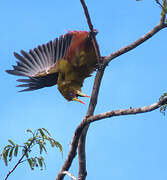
{"x": 164, "y": 106}
{"x": 8, "y": 151}
{"x": 38, "y": 138}
{"x": 163, "y": 6}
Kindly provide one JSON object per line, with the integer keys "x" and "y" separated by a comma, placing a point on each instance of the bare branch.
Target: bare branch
{"x": 81, "y": 145}
{"x": 81, "y": 131}
{"x": 72, "y": 153}
{"x": 163, "y": 17}
{"x": 92, "y": 105}
{"x": 129, "y": 111}
{"x": 97, "y": 117}
{"x": 96, "y": 46}
{"x": 105, "y": 115}
{"x": 82, "y": 154}
{"x": 135, "y": 43}
{"x": 87, "y": 15}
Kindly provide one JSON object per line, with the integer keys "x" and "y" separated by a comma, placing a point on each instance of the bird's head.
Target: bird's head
{"x": 72, "y": 92}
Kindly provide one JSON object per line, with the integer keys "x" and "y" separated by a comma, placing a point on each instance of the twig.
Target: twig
{"x": 20, "y": 161}
{"x": 162, "y": 5}
{"x": 69, "y": 174}
{"x": 135, "y": 43}
{"x": 87, "y": 15}
{"x": 129, "y": 111}
{"x": 96, "y": 46}
{"x": 92, "y": 105}
{"x": 164, "y": 11}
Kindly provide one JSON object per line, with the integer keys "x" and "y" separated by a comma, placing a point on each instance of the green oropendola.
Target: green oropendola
{"x": 66, "y": 61}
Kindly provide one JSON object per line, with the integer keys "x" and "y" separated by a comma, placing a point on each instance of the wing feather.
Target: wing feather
{"x": 36, "y": 63}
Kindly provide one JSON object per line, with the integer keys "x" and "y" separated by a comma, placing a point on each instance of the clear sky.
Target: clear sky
{"x": 120, "y": 148}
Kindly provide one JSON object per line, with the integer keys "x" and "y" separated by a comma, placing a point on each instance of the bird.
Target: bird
{"x": 65, "y": 62}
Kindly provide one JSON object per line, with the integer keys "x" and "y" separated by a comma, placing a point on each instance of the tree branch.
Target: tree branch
{"x": 73, "y": 148}
{"x": 136, "y": 43}
{"x": 96, "y": 46}
{"x": 78, "y": 139}
{"x": 92, "y": 105}
{"x": 82, "y": 141}
{"x": 88, "y": 120}
{"x": 129, "y": 111}
{"x": 72, "y": 153}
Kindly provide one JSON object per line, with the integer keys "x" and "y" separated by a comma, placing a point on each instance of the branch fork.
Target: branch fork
{"x": 79, "y": 137}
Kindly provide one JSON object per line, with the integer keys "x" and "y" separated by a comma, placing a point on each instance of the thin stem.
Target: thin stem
{"x": 21, "y": 159}
{"x": 87, "y": 15}
{"x": 130, "y": 111}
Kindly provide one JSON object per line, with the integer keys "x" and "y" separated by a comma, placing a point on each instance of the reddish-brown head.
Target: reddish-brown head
{"x": 79, "y": 42}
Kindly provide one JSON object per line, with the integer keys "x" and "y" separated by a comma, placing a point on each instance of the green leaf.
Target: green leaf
{"x": 27, "y": 155}
{"x": 11, "y": 142}
{"x": 40, "y": 162}
{"x": 41, "y": 132}
{"x": 164, "y": 106}
{"x": 16, "y": 150}
{"x": 30, "y": 164}
{"x": 34, "y": 162}
{"x": 40, "y": 136}
{"x": 30, "y": 131}
{"x": 5, "y": 155}
{"x": 8, "y": 147}
{"x": 11, "y": 153}
{"x": 27, "y": 143}
{"x": 5, "y": 159}
{"x": 51, "y": 142}
{"x": 57, "y": 144}
{"x": 42, "y": 147}
{"x": 46, "y": 131}
{"x": 31, "y": 139}
{"x": 25, "y": 149}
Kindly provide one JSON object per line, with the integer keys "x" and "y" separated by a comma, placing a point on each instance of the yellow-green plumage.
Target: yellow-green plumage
{"x": 79, "y": 66}
{"x": 66, "y": 62}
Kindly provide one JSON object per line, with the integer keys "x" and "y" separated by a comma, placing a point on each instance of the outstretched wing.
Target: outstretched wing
{"x": 39, "y": 64}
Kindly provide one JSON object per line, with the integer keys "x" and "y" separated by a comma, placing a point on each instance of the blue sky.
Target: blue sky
{"x": 119, "y": 148}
